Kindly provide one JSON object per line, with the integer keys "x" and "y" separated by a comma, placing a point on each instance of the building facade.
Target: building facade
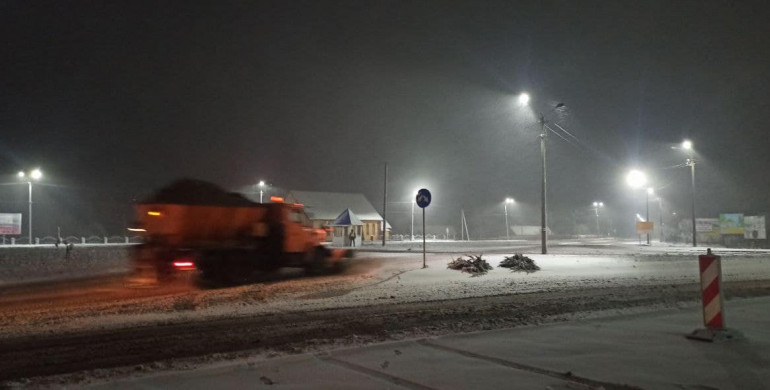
{"x": 322, "y": 208}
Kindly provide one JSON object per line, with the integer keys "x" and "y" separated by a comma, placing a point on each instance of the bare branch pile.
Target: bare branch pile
{"x": 473, "y": 265}
{"x": 519, "y": 262}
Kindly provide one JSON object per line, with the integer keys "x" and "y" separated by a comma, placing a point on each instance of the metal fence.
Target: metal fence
{"x": 90, "y": 240}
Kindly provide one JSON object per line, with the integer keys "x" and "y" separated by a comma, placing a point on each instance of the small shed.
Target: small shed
{"x": 343, "y": 225}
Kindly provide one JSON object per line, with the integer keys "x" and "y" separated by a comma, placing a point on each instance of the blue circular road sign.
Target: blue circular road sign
{"x": 423, "y": 198}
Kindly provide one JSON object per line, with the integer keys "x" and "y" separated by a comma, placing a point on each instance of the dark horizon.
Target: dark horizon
{"x": 113, "y": 100}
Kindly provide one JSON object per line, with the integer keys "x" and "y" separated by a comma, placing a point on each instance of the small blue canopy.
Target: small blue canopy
{"x": 347, "y": 218}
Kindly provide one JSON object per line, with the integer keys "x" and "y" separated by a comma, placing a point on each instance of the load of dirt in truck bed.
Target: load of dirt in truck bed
{"x": 474, "y": 265}
{"x": 519, "y": 262}
{"x": 196, "y": 192}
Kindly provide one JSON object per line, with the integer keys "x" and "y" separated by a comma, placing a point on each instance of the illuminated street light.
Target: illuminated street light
{"x": 261, "y": 185}
{"x": 636, "y": 179}
{"x": 650, "y": 191}
{"x": 505, "y": 207}
{"x": 690, "y": 162}
{"x": 524, "y": 99}
{"x": 597, "y": 205}
{"x": 413, "y": 201}
{"x": 36, "y": 174}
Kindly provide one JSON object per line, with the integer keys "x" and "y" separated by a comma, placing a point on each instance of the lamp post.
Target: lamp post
{"x": 413, "y": 202}
{"x": 35, "y": 174}
{"x": 261, "y": 186}
{"x": 596, "y": 211}
{"x": 687, "y": 145}
{"x": 660, "y": 214}
{"x": 523, "y": 101}
{"x": 505, "y": 207}
{"x": 637, "y": 179}
{"x": 650, "y": 191}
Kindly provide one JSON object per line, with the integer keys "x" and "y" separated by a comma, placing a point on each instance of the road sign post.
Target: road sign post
{"x": 423, "y": 200}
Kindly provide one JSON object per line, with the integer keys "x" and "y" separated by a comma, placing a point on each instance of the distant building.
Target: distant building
{"x": 322, "y": 208}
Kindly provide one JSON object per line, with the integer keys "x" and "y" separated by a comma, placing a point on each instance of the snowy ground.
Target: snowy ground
{"x": 382, "y": 296}
{"x": 376, "y": 278}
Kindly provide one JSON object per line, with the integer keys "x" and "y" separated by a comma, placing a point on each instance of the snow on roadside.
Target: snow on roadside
{"x": 380, "y": 279}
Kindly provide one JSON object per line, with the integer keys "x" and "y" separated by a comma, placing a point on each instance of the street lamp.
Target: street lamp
{"x": 261, "y": 189}
{"x": 524, "y": 99}
{"x": 596, "y": 211}
{"x": 637, "y": 179}
{"x": 413, "y": 202}
{"x": 35, "y": 174}
{"x": 650, "y": 191}
{"x": 505, "y": 207}
{"x": 687, "y": 145}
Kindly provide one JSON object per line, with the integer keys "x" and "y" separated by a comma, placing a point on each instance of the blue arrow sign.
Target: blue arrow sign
{"x": 423, "y": 198}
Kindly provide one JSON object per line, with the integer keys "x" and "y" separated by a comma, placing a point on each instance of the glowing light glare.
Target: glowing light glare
{"x": 154, "y": 213}
{"x": 650, "y": 190}
{"x": 261, "y": 183}
{"x": 136, "y": 230}
{"x": 598, "y": 204}
{"x": 21, "y": 174}
{"x": 36, "y": 174}
{"x": 636, "y": 178}
{"x": 510, "y": 200}
{"x": 276, "y": 199}
{"x": 523, "y": 99}
{"x": 687, "y": 144}
{"x": 639, "y": 217}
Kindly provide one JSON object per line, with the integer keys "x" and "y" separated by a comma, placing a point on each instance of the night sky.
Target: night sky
{"x": 113, "y": 99}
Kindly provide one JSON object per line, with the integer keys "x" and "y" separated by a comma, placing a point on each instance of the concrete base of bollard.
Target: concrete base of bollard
{"x": 715, "y": 335}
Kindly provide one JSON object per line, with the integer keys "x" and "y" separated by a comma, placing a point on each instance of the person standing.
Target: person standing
{"x": 352, "y": 236}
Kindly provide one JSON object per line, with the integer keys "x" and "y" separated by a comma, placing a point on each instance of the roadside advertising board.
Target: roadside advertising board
{"x": 707, "y": 225}
{"x": 731, "y": 223}
{"x": 10, "y": 224}
{"x": 644, "y": 227}
{"x": 754, "y": 228}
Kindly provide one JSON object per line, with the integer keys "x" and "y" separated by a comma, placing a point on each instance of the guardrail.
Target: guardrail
{"x": 91, "y": 240}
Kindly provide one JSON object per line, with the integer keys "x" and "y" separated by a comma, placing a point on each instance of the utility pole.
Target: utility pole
{"x": 462, "y": 230}
{"x": 30, "y": 211}
{"x": 543, "y": 207}
{"x": 411, "y": 234}
{"x": 385, "y": 206}
{"x": 647, "y": 195}
{"x": 507, "y": 229}
{"x": 660, "y": 212}
{"x": 691, "y": 163}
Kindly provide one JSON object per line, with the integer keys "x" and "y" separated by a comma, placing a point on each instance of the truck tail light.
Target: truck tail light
{"x": 183, "y": 264}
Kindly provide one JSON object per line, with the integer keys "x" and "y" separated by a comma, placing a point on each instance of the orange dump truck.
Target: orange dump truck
{"x": 192, "y": 225}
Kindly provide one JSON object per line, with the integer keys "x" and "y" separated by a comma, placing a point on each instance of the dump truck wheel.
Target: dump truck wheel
{"x": 317, "y": 265}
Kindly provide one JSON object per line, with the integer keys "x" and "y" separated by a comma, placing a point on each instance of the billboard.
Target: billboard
{"x": 731, "y": 223}
{"x": 644, "y": 227}
{"x": 754, "y": 228}
{"x": 10, "y": 224}
{"x": 707, "y": 225}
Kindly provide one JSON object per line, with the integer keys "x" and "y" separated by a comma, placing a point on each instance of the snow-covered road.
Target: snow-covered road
{"x": 383, "y": 295}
